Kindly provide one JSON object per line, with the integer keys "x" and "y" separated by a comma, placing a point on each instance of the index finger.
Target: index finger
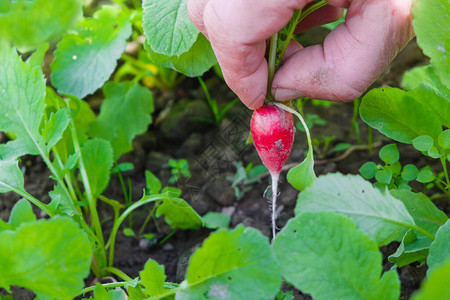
{"x": 238, "y": 31}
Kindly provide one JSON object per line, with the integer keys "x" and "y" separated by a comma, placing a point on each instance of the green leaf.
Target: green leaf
{"x": 129, "y": 232}
{"x": 425, "y": 75}
{"x": 124, "y": 114}
{"x": 30, "y": 23}
{"x": 433, "y": 41}
{"x": 435, "y": 285}
{"x": 11, "y": 178}
{"x": 101, "y": 293}
{"x": 179, "y": 214}
{"x": 152, "y": 183}
{"x": 122, "y": 167}
{"x": 341, "y": 147}
{"x": 55, "y": 127}
{"x": 61, "y": 203}
{"x": 410, "y": 172}
{"x": 97, "y": 155}
{"x": 427, "y": 216}
{"x": 153, "y": 278}
{"x": 389, "y": 154}
{"x": 433, "y": 152}
{"x": 384, "y": 110}
{"x": 214, "y": 220}
{"x": 381, "y": 216}
{"x": 411, "y": 249}
{"x": 368, "y": 170}
{"x": 199, "y": 59}
{"x": 84, "y": 60}
{"x": 49, "y": 257}
{"x": 22, "y": 92}
{"x": 444, "y": 139}
{"x": 236, "y": 264}
{"x": 440, "y": 248}
{"x": 384, "y": 175}
{"x": 425, "y": 175}
{"x": 37, "y": 58}
{"x": 303, "y": 175}
{"x": 423, "y": 142}
{"x": 320, "y": 254}
{"x": 167, "y": 27}
{"x": 437, "y": 103}
{"x": 21, "y": 213}
{"x": 82, "y": 116}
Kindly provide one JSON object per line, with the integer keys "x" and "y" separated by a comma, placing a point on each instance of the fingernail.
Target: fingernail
{"x": 286, "y": 94}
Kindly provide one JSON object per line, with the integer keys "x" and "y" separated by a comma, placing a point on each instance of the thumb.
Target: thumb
{"x": 352, "y": 56}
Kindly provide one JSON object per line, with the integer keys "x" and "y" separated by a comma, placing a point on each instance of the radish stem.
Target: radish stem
{"x": 299, "y": 116}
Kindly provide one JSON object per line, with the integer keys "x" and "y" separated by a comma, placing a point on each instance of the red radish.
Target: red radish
{"x": 273, "y": 130}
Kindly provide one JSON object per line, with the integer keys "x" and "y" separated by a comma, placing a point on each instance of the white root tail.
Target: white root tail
{"x": 274, "y": 202}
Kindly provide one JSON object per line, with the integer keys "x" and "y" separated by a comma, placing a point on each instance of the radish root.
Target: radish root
{"x": 274, "y": 202}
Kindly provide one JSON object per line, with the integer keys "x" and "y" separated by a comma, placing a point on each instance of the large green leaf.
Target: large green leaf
{"x": 50, "y": 257}
{"x": 97, "y": 155}
{"x": 199, "y": 59}
{"x": 430, "y": 19}
{"x": 324, "y": 254}
{"x": 167, "y": 27}
{"x": 236, "y": 264}
{"x": 440, "y": 248}
{"x": 11, "y": 178}
{"x": 84, "y": 60}
{"x": 29, "y": 23}
{"x": 124, "y": 114}
{"x": 381, "y": 216}
{"x": 384, "y": 110}
{"x": 22, "y": 92}
{"x": 436, "y": 285}
{"x": 179, "y": 214}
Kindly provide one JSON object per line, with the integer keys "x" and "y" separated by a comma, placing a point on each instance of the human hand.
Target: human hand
{"x": 352, "y": 56}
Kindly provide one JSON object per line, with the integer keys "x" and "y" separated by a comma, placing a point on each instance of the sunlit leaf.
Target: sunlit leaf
{"x": 381, "y": 216}
{"x": 320, "y": 253}
{"x": 84, "y": 60}
{"x": 49, "y": 257}
{"x": 236, "y": 264}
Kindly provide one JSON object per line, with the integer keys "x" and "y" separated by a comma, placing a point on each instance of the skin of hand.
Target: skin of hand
{"x": 352, "y": 56}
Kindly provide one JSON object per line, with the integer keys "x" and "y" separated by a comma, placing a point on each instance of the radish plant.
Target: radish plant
{"x": 329, "y": 249}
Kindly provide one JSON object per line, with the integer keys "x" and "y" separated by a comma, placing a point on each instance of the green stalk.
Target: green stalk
{"x": 85, "y": 179}
{"x": 294, "y": 21}
{"x": 272, "y": 66}
{"x": 444, "y": 167}
{"x": 33, "y": 200}
{"x": 311, "y": 9}
{"x": 118, "y": 273}
{"x": 105, "y": 285}
{"x": 141, "y": 231}
{"x": 118, "y": 222}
